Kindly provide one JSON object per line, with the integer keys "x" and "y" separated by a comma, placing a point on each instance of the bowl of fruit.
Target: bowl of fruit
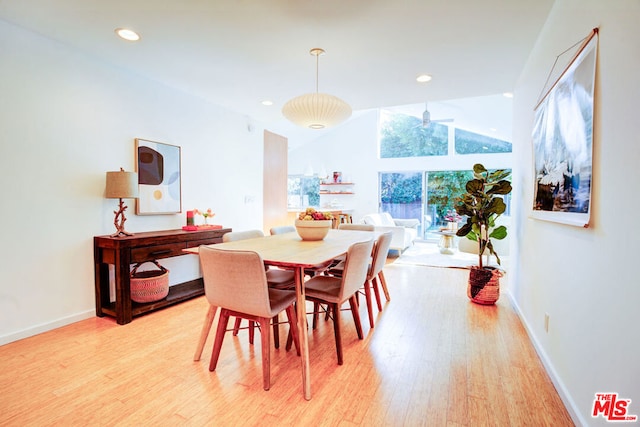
{"x": 313, "y": 225}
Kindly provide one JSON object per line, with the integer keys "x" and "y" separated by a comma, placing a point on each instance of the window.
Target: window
{"x": 402, "y": 135}
{"x": 457, "y": 134}
{"x": 468, "y": 122}
{"x": 473, "y": 143}
{"x": 442, "y": 189}
{"x": 303, "y": 191}
{"x": 402, "y": 195}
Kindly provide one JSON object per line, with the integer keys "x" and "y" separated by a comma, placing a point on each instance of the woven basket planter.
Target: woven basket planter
{"x": 150, "y": 285}
{"x": 484, "y": 285}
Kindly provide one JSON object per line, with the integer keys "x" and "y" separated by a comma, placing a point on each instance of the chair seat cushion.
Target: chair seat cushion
{"x": 280, "y": 299}
{"x": 281, "y": 279}
{"x": 326, "y": 288}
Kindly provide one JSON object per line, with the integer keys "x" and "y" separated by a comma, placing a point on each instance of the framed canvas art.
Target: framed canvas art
{"x": 159, "y": 179}
{"x": 563, "y": 143}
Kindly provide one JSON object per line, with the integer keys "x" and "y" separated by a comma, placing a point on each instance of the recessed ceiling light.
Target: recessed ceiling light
{"x": 127, "y": 34}
{"x": 423, "y": 78}
{"x": 493, "y": 129}
{"x": 267, "y": 102}
{"x": 508, "y": 94}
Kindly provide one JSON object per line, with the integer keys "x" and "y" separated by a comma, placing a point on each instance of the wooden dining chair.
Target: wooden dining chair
{"x": 282, "y": 229}
{"x": 336, "y": 267}
{"x": 361, "y": 227}
{"x": 375, "y": 274}
{"x": 276, "y": 278}
{"x": 337, "y": 262}
{"x": 236, "y": 282}
{"x": 334, "y": 291}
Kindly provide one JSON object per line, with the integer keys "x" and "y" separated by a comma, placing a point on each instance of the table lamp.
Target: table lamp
{"x": 121, "y": 185}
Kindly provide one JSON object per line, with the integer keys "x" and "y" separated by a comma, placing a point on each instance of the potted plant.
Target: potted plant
{"x": 482, "y": 204}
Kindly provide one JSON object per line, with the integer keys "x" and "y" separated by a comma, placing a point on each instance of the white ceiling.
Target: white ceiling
{"x": 237, "y": 53}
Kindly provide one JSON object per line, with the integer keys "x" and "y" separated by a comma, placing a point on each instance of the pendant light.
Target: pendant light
{"x": 316, "y": 110}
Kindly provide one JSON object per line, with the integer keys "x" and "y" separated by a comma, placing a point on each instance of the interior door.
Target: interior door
{"x": 274, "y": 181}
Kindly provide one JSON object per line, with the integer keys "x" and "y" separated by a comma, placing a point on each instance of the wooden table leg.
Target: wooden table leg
{"x": 303, "y": 333}
{"x": 208, "y": 321}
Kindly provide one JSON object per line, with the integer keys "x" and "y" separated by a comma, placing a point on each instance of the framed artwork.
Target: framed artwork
{"x": 159, "y": 178}
{"x": 563, "y": 143}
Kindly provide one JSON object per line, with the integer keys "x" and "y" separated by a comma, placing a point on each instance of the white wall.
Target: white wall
{"x": 66, "y": 119}
{"x": 585, "y": 278}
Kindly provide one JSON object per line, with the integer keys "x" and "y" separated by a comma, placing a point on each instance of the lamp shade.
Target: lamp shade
{"x": 316, "y": 110}
{"x": 122, "y": 185}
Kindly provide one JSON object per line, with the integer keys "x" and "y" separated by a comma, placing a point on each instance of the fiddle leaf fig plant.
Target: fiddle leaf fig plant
{"x": 482, "y": 204}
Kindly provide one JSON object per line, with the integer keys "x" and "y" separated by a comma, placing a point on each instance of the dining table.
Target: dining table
{"x": 289, "y": 251}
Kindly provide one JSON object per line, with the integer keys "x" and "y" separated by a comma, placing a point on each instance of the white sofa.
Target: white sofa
{"x": 404, "y": 231}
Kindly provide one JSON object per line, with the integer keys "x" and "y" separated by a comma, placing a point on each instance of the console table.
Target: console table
{"x": 121, "y": 252}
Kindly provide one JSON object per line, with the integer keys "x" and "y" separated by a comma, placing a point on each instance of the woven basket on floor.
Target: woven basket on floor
{"x": 484, "y": 285}
{"x": 150, "y": 285}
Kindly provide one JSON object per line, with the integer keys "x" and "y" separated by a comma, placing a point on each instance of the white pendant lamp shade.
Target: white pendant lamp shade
{"x": 316, "y": 110}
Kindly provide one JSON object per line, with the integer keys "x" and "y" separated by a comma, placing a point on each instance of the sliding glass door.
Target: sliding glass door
{"x": 425, "y": 195}
{"x": 441, "y": 191}
{"x": 401, "y": 194}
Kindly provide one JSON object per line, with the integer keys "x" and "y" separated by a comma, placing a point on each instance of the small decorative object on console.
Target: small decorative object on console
{"x": 190, "y": 220}
{"x": 206, "y": 214}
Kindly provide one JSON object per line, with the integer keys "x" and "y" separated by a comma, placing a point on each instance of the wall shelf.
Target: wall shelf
{"x": 337, "y": 183}
{"x": 336, "y": 192}
{"x": 336, "y": 188}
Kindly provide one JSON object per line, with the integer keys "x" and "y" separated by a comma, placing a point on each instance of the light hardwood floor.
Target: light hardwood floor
{"x": 433, "y": 358}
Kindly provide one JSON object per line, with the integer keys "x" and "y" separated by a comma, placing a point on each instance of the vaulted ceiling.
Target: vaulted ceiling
{"x": 237, "y": 53}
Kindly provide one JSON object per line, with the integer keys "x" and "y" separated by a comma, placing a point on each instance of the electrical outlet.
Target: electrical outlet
{"x": 546, "y": 322}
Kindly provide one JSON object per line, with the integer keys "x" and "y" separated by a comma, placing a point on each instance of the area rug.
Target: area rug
{"x": 428, "y": 254}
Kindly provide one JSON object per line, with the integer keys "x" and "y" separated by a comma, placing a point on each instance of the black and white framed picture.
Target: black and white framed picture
{"x": 563, "y": 143}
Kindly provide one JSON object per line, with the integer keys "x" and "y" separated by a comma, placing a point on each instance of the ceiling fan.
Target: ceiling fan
{"x": 426, "y": 118}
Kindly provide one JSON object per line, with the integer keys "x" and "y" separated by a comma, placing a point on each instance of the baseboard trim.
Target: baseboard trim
{"x": 44, "y": 327}
{"x": 564, "y": 394}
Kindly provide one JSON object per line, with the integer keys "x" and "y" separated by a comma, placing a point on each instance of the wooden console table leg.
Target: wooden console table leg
{"x": 102, "y": 287}
{"x": 123, "y": 288}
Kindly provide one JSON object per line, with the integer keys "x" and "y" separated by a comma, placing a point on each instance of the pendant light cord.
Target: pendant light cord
{"x": 316, "y": 51}
{"x": 317, "y": 70}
